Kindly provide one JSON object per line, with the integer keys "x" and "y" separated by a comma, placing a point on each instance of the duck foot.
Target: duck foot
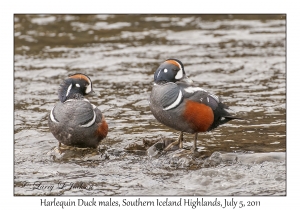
{"x": 194, "y": 147}
{"x": 179, "y": 143}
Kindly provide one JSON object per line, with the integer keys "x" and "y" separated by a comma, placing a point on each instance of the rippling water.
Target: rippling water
{"x": 241, "y": 58}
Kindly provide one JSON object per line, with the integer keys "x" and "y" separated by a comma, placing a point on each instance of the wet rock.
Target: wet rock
{"x": 156, "y": 149}
{"x": 181, "y": 158}
{"x": 148, "y": 143}
{"x": 174, "y": 157}
{"x": 229, "y": 158}
{"x": 115, "y": 152}
{"x": 136, "y": 149}
{"x": 135, "y": 146}
{"x": 214, "y": 159}
{"x": 65, "y": 153}
{"x": 218, "y": 158}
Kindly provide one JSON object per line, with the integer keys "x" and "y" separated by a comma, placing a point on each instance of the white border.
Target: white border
{"x": 8, "y": 8}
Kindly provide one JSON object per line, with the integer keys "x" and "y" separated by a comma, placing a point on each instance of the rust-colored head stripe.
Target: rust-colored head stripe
{"x": 80, "y": 76}
{"x": 174, "y": 63}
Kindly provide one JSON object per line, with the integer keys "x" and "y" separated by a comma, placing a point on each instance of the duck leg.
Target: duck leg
{"x": 180, "y": 139}
{"x": 194, "y": 148}
{"x": 178, "y": 142}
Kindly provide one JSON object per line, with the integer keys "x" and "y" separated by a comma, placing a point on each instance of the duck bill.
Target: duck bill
{"x": 186, "y": 80}
{"x": 93, "y": 93}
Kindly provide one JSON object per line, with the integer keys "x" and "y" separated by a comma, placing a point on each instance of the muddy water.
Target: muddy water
{"x": 238, "y": 57}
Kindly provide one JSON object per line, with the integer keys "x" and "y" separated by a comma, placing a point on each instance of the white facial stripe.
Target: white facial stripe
{"x": 193, "y": 89}
{"x": 165, "y": 70}
{"x": 52, "y": 116}
{"x": 88, "y": 88}
{"x": 179, "y": 74}
{"x": 207, "y": 99}
{"x": 77, "y": 85}
{"x": 158, "y": 73}
{"x": 175, "y": 103}
{"x": 89, "y": 123}
{"x": 68, "y": 91}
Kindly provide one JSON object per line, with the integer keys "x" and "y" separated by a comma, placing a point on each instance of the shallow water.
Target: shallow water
{"x": 238, "y": 57}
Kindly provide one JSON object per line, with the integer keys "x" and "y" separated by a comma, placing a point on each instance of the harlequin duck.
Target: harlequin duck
{"x": 74, "y": 121}
{"x": 175, "y": 103}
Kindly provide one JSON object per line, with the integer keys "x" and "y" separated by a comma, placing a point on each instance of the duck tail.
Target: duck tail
{"x": 228, "y": 118}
